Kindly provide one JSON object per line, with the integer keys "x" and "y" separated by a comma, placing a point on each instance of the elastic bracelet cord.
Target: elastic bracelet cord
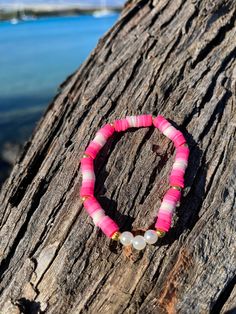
{"x": 171, "y": 197}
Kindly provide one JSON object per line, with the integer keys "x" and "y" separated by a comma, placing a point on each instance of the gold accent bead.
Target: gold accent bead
{"x": 160, "y": 233}
{"x": 176, "y": 187}
{"x": 116, "y": 236}
{"x": 112, "y": 124}
{"x": 84, "y": 198}
{"x": 85, "y": 155}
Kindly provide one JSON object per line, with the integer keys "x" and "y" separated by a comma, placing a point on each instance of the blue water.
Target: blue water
{"x": 35, "y": 58}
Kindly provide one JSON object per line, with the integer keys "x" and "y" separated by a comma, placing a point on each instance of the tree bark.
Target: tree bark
{"x": 170, "y": 57}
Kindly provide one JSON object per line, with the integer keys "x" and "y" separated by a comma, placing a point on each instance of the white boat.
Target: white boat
{"x": 104, "y": 10}
{"x": 14, "y": 21}
{"x": 28, "y": 17}
{"x": 103, "y": 13}
{"x": 21, "y": 16}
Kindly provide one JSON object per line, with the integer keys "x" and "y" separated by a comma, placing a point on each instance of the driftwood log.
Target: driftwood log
{"x": 173, "y": 57}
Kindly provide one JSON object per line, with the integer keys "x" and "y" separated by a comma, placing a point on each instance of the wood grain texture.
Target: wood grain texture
{"x": 174, "y": 57}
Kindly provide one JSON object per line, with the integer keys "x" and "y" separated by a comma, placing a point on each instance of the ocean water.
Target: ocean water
{"x": 35, "y": 58}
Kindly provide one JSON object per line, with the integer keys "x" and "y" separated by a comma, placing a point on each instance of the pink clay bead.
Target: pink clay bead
{"x": 165, "y": 125}
{"x": 181, "y": 155}
{"x": 107, "y": 131}
{"x": 176, "y": 136}
{"x": 108, "y": 226}
{"x": 164, "y": 221}
{"x": 165, "y": 215}
{"x": 172, "y": 195}
{"x": 182, "y": 152}
{"x": 178, "y": 139}
{"x": 162, "y": 224}
{"x": 93, "y": 149}
{"x": 161, "y": 123}
{"x": 176, "y": 180}
{"x": 87, "y": 188}
{"x": 91, "y": 205}
{"x": 144, "y": 120}
{"x": 177, "y": 172}
{"x": 86, "y": 164}
{"x": 121, "y": 125}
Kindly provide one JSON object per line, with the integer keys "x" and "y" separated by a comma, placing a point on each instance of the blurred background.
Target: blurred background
{"x": 41, "y": 43}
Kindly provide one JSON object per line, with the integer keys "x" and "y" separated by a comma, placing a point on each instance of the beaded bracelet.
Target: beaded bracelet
{"x": 171, "y": 198}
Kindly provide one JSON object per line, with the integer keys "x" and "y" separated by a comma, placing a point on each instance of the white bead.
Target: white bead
{"x": 88, "y": 175}
{"x": 169, "y": 130}
{"x": 150, "y": 236}
{"x": 167, "y": 207}
{"x": 100, "y": 139}
{"x": 97, "y": 216}
{"x": 139, "y": 242}
{"x": 132, "y": 120}
{"x": 126, "y": 238}
{"x": 179, "y": 165}
{"x": 182, "y": 160}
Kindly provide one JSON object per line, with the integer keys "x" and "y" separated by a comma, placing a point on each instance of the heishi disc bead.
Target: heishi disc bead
{"x": 139, "y": 242}
{"x": 126, "y": 238}
{"x": 150, "y": 236}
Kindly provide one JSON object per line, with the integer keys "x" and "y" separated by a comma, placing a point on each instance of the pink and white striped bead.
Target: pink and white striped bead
{"x": 176, "y": 180}
{"x": 139, "y": 121}
{"x": 169, "y": 130}
{"x": 99, "y": 217}
{"x": 167, "y": 208}
{"x": 177, "y": 174}
{"x": 144, "y": 120}
{"x": 88, "y": 177}
{"x": 100, "y": 140}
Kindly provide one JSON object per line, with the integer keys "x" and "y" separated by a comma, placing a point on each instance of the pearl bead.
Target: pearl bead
{"x": 150, "y": 236}
{"x": 126, "y": 238}
{"x": 139, "y": 242}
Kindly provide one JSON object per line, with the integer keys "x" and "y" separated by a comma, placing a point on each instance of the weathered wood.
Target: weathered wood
{"x": 175, "y": 57}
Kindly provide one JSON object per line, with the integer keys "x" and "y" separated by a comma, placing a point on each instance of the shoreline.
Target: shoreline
{"x": 36, "y": 11}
